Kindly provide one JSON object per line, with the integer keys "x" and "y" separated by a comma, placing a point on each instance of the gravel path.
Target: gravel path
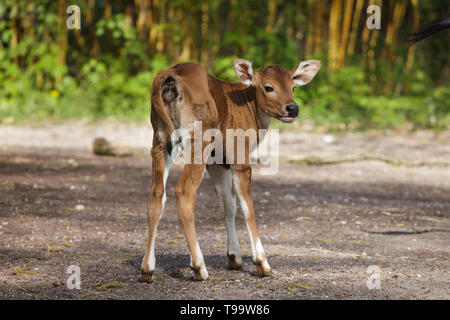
{"x": 322, "y": 226}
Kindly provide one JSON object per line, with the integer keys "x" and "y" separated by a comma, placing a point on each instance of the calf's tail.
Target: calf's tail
{"x": 164, "y": 92}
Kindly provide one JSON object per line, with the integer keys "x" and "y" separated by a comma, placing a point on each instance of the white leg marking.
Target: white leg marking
{"x": 201, "y": 261}
{"x": 199, "y": 254}
{"x": 245, "y": 210}
{"x": 257, "y": 248}
{"x": 223, "y": 183}
{"x": 260, "y": 254}
{"x": 166, "y": 175}
{"x": 252, "y": 245}
{"x": 151, "y": 257}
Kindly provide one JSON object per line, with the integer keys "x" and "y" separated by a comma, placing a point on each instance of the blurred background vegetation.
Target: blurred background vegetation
{"x": 369, "y": 79}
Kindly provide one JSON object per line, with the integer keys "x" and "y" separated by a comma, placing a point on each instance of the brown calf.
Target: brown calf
{"x": 186, "y": 93}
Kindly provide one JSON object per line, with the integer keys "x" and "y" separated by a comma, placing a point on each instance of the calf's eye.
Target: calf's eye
{"x": 268, "y": 89}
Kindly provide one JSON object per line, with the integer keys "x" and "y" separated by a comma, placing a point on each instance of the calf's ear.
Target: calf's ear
{"x": 244, "y": 70}
{"x": 305, "y": 72}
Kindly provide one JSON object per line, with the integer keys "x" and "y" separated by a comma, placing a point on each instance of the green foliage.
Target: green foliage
{"x": 345, "y": 98}
{"x": 115, "y": 80}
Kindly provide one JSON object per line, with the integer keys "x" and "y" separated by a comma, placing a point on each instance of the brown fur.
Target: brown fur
{"x": 186, "y": 93}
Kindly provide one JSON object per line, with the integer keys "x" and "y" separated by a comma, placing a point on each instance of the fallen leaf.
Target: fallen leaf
{"x": 295, "y": 287}
{"x": 68, "y": 244}
{"x": 104, "y": 286}
{"x": 361, "y": 242}
{"x": 124, "y": 261}
{"x": 131, "y": 254}
{"x": 173, "y": 242}
{"x": 303, "y": 219}
{"x": 433, "y": 219}
{"x": 19, "y": 271}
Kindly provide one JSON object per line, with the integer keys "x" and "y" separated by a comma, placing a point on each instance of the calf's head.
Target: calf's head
{"x": 275, "y": 85}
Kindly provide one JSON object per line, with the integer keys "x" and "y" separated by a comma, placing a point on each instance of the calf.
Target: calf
{"x": 186, "y": 93}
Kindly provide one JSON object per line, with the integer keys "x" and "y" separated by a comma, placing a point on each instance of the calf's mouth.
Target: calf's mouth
{"x": 286, "y": 119}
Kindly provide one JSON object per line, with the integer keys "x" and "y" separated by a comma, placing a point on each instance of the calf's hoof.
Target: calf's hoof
{"x": 200, "y": 273}
{"x": 234, "y": 262}
{"x": 146, "y": 276}
{"x": 263, "y": 271}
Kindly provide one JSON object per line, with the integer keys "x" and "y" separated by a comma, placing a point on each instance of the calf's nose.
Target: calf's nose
{"x": 292, "y": 110}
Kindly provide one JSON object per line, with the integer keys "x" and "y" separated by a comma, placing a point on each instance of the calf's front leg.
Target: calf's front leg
{"x": 222, "y": 179}
{"x": 241, "y": 181}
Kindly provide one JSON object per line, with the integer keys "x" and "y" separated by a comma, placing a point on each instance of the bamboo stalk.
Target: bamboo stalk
{"x": 270, "y": 22}
{"x": 318, "y": 27}
{"x": 345, "y": 32}
{"x": 204, "y": 32}
{"x": 15, "y": 35}
{"x": 213, "y": 34}
{"x": 93, "y": 40}
{"x": 153, "y": 18}
{"x": 335, "y": 16}
{"x": 62, "y": 36}
{"x": 161, "y": 21}
{"x": 416, "y": 24}
{"x": 372, "y": 46}
{"x": 392, "y": 32}
{"x": 355, "y": 27}
{"x": 310, "y": 31}
{"x": 188, "y": 51}
{"x": 108, "y": 14}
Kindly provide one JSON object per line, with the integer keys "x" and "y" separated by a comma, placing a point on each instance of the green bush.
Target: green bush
{"x": 35, "y": 86}
{"x": 346, "y": 98}
{"x": 330, "y": 100}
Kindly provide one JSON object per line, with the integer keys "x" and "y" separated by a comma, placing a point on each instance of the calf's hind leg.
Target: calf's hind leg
{"x": 155, "y": 206}
{"x": 186, "y": 190}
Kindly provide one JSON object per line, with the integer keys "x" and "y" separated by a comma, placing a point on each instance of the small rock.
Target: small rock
{"x": 79, "y": 207}
{"x": 329, "y": 138}
{"x": 289, "y": 197}
{"x": 102, "y": 147}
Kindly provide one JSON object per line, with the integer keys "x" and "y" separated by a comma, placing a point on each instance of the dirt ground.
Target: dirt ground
{"x": 321, "y": 225}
